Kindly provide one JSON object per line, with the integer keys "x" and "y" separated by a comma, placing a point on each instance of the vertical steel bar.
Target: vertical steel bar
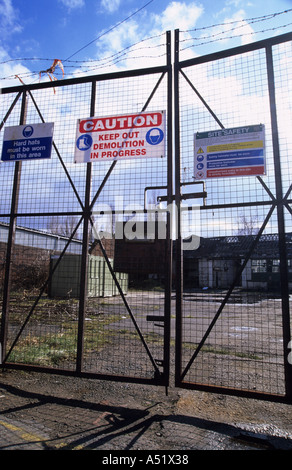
{"x": 168, "y": 253}
{"x": 11, "y": 239}
{"x": 178, "y": 239}
{"x": 85, "y": 249}
{"x": 281, "y": 223}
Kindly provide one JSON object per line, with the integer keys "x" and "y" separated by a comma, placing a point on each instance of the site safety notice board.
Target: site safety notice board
{"x": 237, "y": 151}
{"x": 127, "y": 136}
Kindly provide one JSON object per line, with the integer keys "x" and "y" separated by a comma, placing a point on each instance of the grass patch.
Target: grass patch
{"x": 54, "y": 348}
{"x": 45, "y": 350}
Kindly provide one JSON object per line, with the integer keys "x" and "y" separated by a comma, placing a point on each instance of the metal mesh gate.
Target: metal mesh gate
{"x": 233, "y": 328}
{"x": 77, "y": 297}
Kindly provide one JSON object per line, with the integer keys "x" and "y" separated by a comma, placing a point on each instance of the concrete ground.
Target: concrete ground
{"x": 50, "y": 412}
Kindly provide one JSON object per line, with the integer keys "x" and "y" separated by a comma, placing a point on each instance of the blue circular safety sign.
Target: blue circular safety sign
{"x": 27, "y": 131}
{"x": 154, "y": 136}
{"x": 84, "y": 142}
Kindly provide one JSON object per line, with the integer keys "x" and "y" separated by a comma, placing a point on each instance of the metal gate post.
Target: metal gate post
{"x": 178, "y": 239}
{"x": 281, "y": 225}
{"x": 85, "y": 247}
{"x": 169, "y": 244}
{"x": 10, "y": 242}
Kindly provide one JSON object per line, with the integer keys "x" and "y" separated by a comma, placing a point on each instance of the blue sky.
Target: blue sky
{"x": 98, "y": 36}
{"x": 89, "y": 30}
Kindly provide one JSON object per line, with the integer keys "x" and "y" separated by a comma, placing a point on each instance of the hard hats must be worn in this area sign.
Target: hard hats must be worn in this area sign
{"x": 27, "y": 142}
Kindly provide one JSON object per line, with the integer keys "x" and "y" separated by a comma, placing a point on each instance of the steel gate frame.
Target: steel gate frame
{"x": 278, "y": 202}
{"x": 160, "y": 377}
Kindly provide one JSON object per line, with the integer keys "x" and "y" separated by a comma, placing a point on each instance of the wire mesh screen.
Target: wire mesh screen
{"x": 232, "y": 317}
{"x": 86, "y": 250}
{"x": 68, "y": 239}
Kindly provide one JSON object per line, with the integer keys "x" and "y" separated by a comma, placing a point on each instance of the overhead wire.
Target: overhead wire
{"x": 247, "y": 20}
{"x": 95, "y": 64}
{"x": 119, "y": 56}
{"x": 108, "y": 31}
{"x": 31, "y": 59}
{"x": 88, "y": 65}
{"x": 101, "y": 35}
{"x": 241, "y": 23}
{"x": 224, "y": 38}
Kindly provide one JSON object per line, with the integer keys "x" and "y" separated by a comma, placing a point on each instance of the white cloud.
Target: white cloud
{"x": 245, "y": 30}
{"x": 179, "y": 15}
{"x": 110, "y": 5}
{"x": 72, "y": 4}
{"x": 119, "y": 38}
{"x": 8, "y": 70}
{"x": 152, "y": 27}
{"x": 8, "y": 18}
{"x": 8, "y": 25}
{"x": 235, "y": 26}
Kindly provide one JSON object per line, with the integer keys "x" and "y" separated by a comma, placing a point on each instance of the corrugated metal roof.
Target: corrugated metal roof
{"x": 230, "y": 247}
{"x": 40, "y": 239}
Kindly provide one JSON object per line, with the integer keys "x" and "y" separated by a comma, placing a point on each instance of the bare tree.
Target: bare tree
{"x": 247, "y": 225}
{"x": 63, "y": 226}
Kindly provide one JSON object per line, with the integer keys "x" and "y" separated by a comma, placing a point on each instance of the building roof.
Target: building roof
{"x": 230, "y": 247}
{"x": 39, "y": 239}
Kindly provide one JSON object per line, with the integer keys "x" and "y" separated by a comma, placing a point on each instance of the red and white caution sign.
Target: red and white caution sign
{"x": 128, "y": 136}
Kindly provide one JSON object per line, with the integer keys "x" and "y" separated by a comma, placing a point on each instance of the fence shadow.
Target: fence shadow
{"x": 86, "y": 425}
